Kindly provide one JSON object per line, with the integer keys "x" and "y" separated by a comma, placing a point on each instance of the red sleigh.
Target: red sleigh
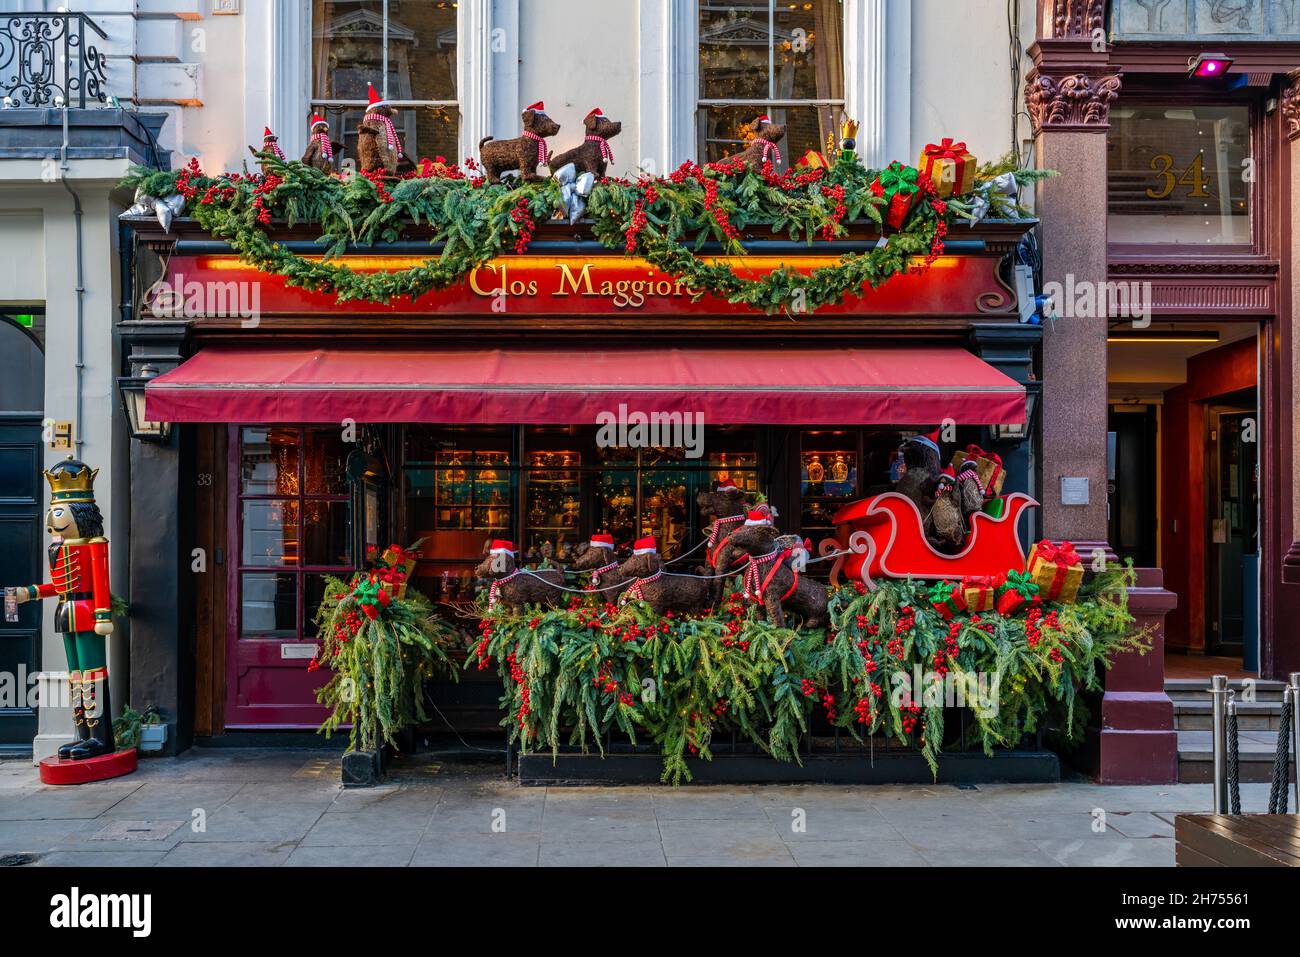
{"x": 887, "y": 540}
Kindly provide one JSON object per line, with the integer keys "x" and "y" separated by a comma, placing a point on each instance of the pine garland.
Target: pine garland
{"x": 665, "y": 220}
{"x": 380, "y": 654}
{"x": 573, "y": 676}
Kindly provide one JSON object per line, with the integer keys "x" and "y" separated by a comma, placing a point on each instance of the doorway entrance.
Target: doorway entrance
{"x": 1185, "y": 428}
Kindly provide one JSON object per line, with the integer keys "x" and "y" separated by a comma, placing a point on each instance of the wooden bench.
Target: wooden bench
{"x": 1237, "y": 840}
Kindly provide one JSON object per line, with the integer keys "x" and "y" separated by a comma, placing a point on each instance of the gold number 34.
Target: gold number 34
{"x": 1194, "y": 177}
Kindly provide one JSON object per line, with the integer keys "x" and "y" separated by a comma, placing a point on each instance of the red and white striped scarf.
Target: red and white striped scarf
{"x": 770, "y": 147}
{"x": 606, "y": 152}
{"x": 595, "y": 576}
{"x": 274, "y": 147}
{"x": 543, "y": 151}
{"x": 755, "y": 582}
{"x": 635, "y": 591}
{"x": 390, "y": 131}
{"x": 326, "y": 147}
{"x": 495, "y": 587}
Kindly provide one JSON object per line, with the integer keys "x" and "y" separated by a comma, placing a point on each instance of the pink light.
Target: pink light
{"x": 1211, "y": 65}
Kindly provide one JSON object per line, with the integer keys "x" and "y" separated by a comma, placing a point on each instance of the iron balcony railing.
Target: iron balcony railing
{"x": 51, "y": 59}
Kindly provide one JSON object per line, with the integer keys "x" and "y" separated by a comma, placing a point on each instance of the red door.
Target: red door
{"x": 292, "y": 528}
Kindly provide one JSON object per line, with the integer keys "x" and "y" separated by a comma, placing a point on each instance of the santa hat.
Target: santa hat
{"x": 947, "y": 478}
{"x": 728, "y": 487}
{"x": 931, "y": 440}
{"x": 602, "y": 541}
{"x": 645, "y": 546}
{"x": 538, "y": 107}
{"x": 375, "y": 99}
{"x": 763, "y": 119}
{"x": 758, "y": 516}
{"x": 267, "y": 134}
{"x": 500, "y": 546}
{"x": 595, "y": 112}
{"x": 318, "y": 120}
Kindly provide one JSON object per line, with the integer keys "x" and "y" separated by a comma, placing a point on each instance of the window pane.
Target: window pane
{"x": 828, "y": 478}
{"x": 454, "y": 445}
{"x": 327, "y": 456}
{"x": 723, "y": 130}
{"x": 270, "y": 533}
{"x": 809, "y": 54}
{"x": 327, "y": 534}
{"x": 270, "y": 462}
{"x": 1176, "y": 175}
{"x": 313, "y": 593}
{"x": 735, "y": 43}
{"x": 269, "y": 605}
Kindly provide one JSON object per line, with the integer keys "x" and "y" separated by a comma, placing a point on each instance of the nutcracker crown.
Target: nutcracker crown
{"x": 849, "y": 129}
{"x": 71, "y": 481}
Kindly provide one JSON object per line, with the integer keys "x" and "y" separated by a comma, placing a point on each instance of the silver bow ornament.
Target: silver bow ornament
{"x": 574, "y": 190}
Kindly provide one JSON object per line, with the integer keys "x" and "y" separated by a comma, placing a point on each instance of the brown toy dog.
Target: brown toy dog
{"x": 599, "y": 558}
{"x": 514, "y": 587}
{"x": 594, "y": 155}
{"x": 770, "y": 577}
{"x": 524, "y": 153}
{"x": 378, "y": 145}
{"x": 764, "y": 144}
{"x": 663, "y": 593}
{"x": 921, "y": 470}
{"x": 320, "y": 151}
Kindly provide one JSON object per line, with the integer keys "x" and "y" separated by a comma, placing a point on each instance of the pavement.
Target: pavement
{"x": 269, "y": 808}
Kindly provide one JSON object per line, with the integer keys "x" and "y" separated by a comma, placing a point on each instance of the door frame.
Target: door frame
{"x": 1232, "y": 403}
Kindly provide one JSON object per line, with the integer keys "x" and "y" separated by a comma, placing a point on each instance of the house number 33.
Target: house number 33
{"x": 1193, "y": 177}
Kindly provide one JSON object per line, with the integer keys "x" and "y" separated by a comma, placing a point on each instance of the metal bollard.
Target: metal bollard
{"x": 1294, "y": 690}
{"x": 1219, "y": 703}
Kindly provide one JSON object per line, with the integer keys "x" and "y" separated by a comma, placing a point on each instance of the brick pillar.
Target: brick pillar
{"x": 1068, "y": 95}
{"x": 1282, "y": 654}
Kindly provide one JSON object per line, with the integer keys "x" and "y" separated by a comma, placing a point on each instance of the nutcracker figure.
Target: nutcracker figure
{"x": 78, "y": 556}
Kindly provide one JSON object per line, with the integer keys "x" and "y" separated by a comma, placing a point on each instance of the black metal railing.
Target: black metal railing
{"x": 50, "y": 59}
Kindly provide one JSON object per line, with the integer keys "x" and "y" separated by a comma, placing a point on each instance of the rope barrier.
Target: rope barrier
{"x": 1234, "y": 770}
{"x": 1277, "y": 794}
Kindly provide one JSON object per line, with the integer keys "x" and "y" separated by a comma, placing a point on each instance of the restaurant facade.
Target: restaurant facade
{"x": 283, "y": 433}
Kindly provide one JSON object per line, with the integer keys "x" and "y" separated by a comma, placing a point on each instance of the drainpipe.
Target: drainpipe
{"x": 81, "y": 281}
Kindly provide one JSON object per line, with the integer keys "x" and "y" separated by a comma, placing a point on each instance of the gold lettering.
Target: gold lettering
{"x": 473, "y": 281}
{"x": 567, "y": 278}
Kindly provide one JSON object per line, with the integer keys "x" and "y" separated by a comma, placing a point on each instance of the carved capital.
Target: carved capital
{"x": 1077, "y": 101}
{"x": 1291, "y": 105}
{"x": 1077, "y": 18}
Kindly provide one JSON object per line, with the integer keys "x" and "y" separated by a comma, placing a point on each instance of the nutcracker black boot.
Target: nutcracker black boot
{"x": 79, "y": 729}
{"x": 99, "y": 721}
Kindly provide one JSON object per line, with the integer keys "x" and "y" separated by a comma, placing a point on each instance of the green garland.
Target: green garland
{"x": 378, "y": 664}
{"x": 664, "y": 220}
{"x": 575, "y": 675}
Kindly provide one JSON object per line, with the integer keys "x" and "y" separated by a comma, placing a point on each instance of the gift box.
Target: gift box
{"x": 950, "y": 166}
{"x": 988, "y": 466}
{"x": 1018, "y": 591}
{"x": 813, "y": 160}
{"x": 947, "y": 599}
{"x": 980, "y": 592}
{"x": 997, "y": 507}
{"x": 402, "y": 563}
{"x": 899, "y": 186}
{"x": 1057, "y": 569}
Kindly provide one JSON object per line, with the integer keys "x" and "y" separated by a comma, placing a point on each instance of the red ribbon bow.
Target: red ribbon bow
{"x": 1059, "y": 554}
{"x": 975, "y": 452}
{"x": 946, "y": 149}
{"x": 983, "y": 581}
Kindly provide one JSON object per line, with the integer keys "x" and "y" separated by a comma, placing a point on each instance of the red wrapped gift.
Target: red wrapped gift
{"x": 980, "y": 591}
{"x": 1057, "y": 569}
{"x": 988, "y": 466}
{"x": 950, "y": 165}
{"x": 947, "y": 599}
{"x": 1018, "y": 590}
{"x": 900, "y": 186}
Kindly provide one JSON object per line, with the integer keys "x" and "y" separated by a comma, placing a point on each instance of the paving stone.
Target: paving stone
{"x": 833, "y": 824}
{"x": 358, "y": 828}
{"x": 708, "y": 804}
{"x": 372, "y": 855}
{"x": 488, "y": 813}
{"x": 1154, "y": 852}
{"x": 260, "y": 823}
{"x": 602, "y": 854}
{"x": 120, "y": 830}
{"x": 177, "y": 800}
{"x": 53, "y": 803}
{"x": 232, "y": 854}
{"x": 101, "y": 859}
{"x": 856, "y": 854}
{"x": 683, "y": 839}
{"x": 513, "y": 849}
{"x": 1140, "y": 824}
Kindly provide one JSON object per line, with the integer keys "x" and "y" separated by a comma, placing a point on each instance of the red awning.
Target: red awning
{"x": 824, "y": 386}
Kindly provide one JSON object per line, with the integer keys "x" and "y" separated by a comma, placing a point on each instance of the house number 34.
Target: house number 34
{"x": 1193, "y": 176}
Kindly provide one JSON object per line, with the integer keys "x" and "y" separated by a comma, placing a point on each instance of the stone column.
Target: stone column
{"x": 162, "y": 619}
{"x": 1284, "y": 656}
{"x": 1068, "y": 95}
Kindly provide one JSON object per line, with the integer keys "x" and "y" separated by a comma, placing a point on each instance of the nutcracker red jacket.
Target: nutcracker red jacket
{"x": 79, "y": 578}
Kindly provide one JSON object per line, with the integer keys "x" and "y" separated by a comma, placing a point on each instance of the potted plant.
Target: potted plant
{"x": 153, "y": 731}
